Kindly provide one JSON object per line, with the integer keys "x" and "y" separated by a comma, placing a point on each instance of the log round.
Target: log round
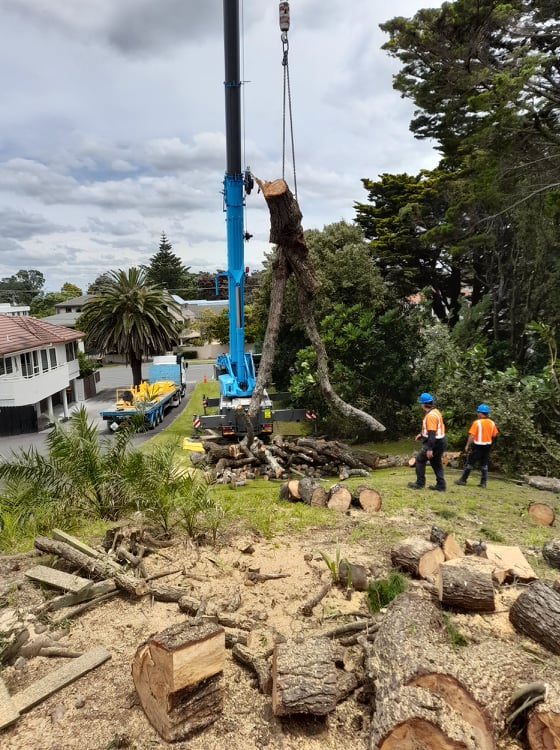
{"x": 340, "y": 498}
{"x": 417, "y": 556}
{"x": 551, "y": 552}
{"x": 312, "y": 493}
{"x": 536, "y": 613}
{"x": 542, "y": 513}
{"x": 367, "y": 498}
{"x": 466, "y": 588}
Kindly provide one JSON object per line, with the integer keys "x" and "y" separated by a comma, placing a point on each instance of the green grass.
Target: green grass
{"x": 496, "y": 514}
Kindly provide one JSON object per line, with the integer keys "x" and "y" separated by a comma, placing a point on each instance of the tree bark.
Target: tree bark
{"x": 105, "y": 569}
{"x": 536, "y": 613}
{"x": 551, "y": 552}
{"x": 305, "y": 678}
{"x": 466, "y": 587}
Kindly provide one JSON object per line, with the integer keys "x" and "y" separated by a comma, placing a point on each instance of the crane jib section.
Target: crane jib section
{"x": 236, "y": 369}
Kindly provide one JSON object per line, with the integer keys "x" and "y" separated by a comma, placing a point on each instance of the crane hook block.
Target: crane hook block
{"x": 284, "y": 11}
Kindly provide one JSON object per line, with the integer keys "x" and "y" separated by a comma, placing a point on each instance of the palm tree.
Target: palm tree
{"x": 130, "y": 316}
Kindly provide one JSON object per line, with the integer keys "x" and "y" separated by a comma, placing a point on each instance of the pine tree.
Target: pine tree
{"x": 166, "y": 269}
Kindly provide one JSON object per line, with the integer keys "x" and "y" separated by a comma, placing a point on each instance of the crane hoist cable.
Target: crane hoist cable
{"x": 284, "y": 14}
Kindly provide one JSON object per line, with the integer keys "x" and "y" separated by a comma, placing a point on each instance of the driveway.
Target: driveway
{"x": 111, "y": 377}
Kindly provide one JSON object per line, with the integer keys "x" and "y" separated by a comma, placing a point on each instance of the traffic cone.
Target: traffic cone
{"x": 205, "y": 380}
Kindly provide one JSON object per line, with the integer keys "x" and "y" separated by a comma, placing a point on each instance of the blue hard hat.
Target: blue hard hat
{"x": 483, "y": 408}
{"x": 425, "y": 398}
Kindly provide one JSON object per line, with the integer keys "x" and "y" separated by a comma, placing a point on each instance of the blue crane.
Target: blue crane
{"x": 236, "y": 369}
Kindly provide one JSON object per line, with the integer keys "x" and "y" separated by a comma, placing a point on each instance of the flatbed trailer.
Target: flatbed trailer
{"x": 151, "y": 401}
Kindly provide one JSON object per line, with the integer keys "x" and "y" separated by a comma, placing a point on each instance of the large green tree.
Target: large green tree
{"x": 44, "y": 304}
{"x": 484, "y": 76}
{"x": 21, "y": 287}
{"x": 130, "y": 316}
{"x": 166, "y": 269}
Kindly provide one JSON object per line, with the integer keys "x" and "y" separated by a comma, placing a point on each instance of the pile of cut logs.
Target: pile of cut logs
{"x": 236, "y": 463}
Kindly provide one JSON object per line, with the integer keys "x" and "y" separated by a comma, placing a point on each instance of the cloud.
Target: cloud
{"x": 115, "y": 128}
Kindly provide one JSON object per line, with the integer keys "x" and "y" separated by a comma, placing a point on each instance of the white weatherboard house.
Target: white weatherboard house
{"x": 38, "y": 369}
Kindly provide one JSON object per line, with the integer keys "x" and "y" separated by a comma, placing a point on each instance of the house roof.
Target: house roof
{"x": 63, "y": 319}
{"x": 75, "y": 301}
{"x": 18, "y": 334}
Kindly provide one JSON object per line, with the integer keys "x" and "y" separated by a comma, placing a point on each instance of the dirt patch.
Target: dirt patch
{"x": 100, "y": 711}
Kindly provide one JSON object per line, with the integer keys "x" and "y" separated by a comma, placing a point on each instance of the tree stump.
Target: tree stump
{"x": 367, "y": 498}
{"x": 177, "y": 677}
{"x": 312, "y": 493}
{"x": 340, "y": 498}
{"x": 536, "y": 613}
{"x": 466, "y": 585}
{"x": 551, "y": 552}
{"x": 417, "y": 556}
{"x": 305, "y": 678}
{"x": 542, "y": 513}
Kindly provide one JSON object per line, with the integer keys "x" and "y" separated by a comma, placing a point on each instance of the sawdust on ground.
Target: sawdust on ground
{"x": 100, "y": 711}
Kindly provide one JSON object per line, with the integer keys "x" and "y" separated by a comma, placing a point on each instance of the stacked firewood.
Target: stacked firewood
{"x": 313, "y": 457}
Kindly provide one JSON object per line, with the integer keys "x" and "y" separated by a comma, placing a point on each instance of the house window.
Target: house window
{"x": 52, "y": 353}
{"x": 71, "y": 351}
{"x": 6, "y": 366}
{"x": 44, "y": 360}
{"x": 29, "y": 364}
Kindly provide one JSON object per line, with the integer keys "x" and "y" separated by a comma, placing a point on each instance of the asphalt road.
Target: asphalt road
{"x": 111, "y": 377}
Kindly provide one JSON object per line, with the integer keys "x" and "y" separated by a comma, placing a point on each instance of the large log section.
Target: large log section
{"x": 536, "y": 613}
{"x": 177, "y": 677}
{"x": 431, "y": 696}
{"x": 291, "y": 256}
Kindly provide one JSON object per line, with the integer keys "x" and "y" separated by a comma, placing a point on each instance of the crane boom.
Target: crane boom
{"x": 236, "y": 369}
{"x": 238, "y": 376}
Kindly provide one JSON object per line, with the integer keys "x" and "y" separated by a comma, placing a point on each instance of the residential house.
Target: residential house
{"x": 68, "y": 312}
{"x": 11, "y": 308}
{"x": 39, "y": 370}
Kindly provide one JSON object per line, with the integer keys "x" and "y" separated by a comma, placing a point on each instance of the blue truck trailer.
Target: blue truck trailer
{"x": 152, "y": 399}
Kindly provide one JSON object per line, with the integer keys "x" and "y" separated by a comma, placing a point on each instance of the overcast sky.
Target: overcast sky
{"x": 112, "y": 126}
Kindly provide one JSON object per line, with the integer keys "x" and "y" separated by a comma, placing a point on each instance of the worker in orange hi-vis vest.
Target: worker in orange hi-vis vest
{"x": 479, "y": 442}
{"x": 433, "y": 447}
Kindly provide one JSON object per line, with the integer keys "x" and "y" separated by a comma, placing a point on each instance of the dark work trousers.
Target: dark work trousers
{"x": 480, "y": 454}
{"x": 435, "y": 462}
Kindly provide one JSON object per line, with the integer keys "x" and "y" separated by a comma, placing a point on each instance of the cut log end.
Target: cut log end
{"x": 542, "y": 514}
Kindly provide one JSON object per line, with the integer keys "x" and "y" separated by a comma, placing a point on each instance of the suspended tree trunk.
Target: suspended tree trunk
{"x": 292, "y": 257}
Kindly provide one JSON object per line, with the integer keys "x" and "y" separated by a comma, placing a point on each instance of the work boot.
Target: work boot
{"x": 483, "y": 485}
{"x": 415, "y": 486}
{"x": 437, "y": 488}
{"x": 464, "y": 476}
{"x": 483, "y": 476}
